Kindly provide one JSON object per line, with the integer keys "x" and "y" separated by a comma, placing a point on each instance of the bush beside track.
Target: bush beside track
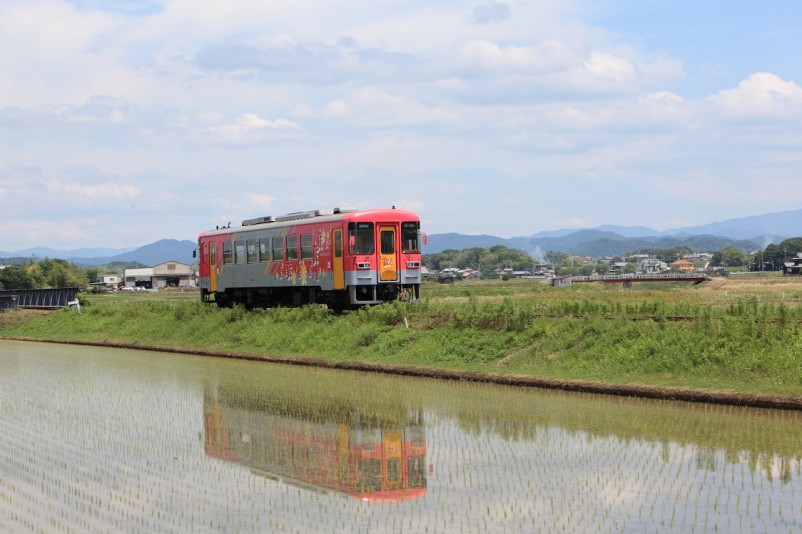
{"x": 736, "y": 342}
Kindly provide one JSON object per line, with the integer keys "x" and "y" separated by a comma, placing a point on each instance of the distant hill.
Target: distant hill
{"x": 45, "y": 252}
{"x": 149, "y": 255}
{"x": 783, "y": 223}
{"x": 152, "y": 254}
{"x": 748, "y": 233}
{"x": 598, "y": 244}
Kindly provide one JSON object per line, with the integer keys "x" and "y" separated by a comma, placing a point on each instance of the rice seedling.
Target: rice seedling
{"x": 122, "y": 441}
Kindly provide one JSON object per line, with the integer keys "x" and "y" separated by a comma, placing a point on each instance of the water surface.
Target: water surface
{"x": 97, "y": 439}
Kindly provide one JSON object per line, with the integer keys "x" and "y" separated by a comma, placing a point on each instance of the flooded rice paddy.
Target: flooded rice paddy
{"x": 104, "y": 440}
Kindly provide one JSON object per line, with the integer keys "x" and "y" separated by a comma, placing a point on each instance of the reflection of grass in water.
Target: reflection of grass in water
{"x": 517, "y": 414}
{"x": 312, "y": 394}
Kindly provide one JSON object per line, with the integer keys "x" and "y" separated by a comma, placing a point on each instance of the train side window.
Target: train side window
{"x": 278, "y": 248}
{"x": 239, "y": 252}
{"x": 212, "y": 255}
{"x": 410, "y": 241}
{"x": 292, "y": 247}
{"x": 306, "y": 247}
{"x": 227, "y": 253}
{"x": 264, "y": 249}
{"x": 251, "y": 247}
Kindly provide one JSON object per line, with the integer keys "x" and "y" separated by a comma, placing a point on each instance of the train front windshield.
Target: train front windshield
{"x": 360, "y": 238}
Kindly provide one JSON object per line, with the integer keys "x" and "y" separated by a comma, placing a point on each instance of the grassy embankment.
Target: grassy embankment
{"x": 740, "y": 335}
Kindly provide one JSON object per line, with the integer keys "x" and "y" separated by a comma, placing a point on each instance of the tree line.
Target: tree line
{"x": 488, "y": 260}
{"x": 47, "y": 273}
{"x": 485, "y": 260}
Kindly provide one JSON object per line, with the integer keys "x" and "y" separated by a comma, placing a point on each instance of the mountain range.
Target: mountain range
{"x": 748, "y": 233}
{"x": 148, "y": 255}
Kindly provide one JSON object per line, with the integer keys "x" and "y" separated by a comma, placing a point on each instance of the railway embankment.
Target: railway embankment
{"x": 731, "y": 343}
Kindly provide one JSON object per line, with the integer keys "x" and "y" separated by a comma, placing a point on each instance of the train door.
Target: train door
{"x": 212, "y": 268}
{"x": 388, "y": 264}
{"x": 392, "y": 458}
{"x": 337, "y": 259}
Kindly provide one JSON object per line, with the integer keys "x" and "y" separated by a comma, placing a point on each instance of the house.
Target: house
{"x": 653, "y": 266}
{"x": 173, "y": 274}
{"x": 106, "y": 281}
{"x": 138, "y": 278}
{"x": 682, "y": 266}
{"x": 618, "y": 267}
{"x": 167, "y": 274}
{"x": 794, "y": 266}
{"x": 109, "y": 280}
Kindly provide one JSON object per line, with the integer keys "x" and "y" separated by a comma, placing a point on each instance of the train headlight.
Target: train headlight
{"x": 363, "y": 265}
{"x": 413, "y": 265}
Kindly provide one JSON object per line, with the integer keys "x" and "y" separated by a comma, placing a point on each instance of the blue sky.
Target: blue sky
{"x": 123, "y": 122}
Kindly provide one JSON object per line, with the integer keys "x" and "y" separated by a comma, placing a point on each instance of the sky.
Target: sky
{"x": 123, "y": 122}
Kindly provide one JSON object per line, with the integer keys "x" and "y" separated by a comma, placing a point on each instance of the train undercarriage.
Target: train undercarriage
{"x": 288, "y": 297}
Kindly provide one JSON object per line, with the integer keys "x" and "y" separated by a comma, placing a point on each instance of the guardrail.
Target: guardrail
{"x": 8, "y": 302}
{"x": 39, "y": 298}
{"x": 696, "y": 278}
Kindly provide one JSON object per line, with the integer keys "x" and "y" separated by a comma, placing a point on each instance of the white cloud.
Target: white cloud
{"x": 608, "y": 67}
{"x": 337, "y": 109}
{"x": 762, "y": 94}
{"x": 250, "y": 128}
{"x": 491, "y": 57}
{"x": 70, "y": 192}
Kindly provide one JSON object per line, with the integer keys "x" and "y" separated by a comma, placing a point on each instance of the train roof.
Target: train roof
{"x": 300, "y": 217}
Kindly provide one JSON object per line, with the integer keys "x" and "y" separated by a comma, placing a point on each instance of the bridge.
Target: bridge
{"x": 45, "y": 299}
{"x": 628, "y": 279}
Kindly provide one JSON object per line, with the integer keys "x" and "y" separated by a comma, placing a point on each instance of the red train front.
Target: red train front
{"x": 343, "y": 258}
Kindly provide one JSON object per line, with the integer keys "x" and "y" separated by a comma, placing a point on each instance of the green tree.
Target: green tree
{"x": 484, "y": 259}
{"x": 17, "y": 277}
{"x": 93, "y": 274}
{"x": 57, "y": 273}
{"x": 776, "y": 254}
{"x": 729, "y": 257}
{"x": 555, "y": 258}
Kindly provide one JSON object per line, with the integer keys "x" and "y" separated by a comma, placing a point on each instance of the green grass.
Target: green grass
{"x": 744, "y": 337}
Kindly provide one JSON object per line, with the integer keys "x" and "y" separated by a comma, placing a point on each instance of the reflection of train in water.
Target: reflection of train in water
{"x": 371, "y": 460}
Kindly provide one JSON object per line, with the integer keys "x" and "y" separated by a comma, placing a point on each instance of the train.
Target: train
{"x": 344, "y": 258}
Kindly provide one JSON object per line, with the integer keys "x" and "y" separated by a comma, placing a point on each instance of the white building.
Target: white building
{"x": 167, "y": 274}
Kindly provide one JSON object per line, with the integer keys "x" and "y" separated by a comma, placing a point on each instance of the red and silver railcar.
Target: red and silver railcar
{"x": 342, "y": 257}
